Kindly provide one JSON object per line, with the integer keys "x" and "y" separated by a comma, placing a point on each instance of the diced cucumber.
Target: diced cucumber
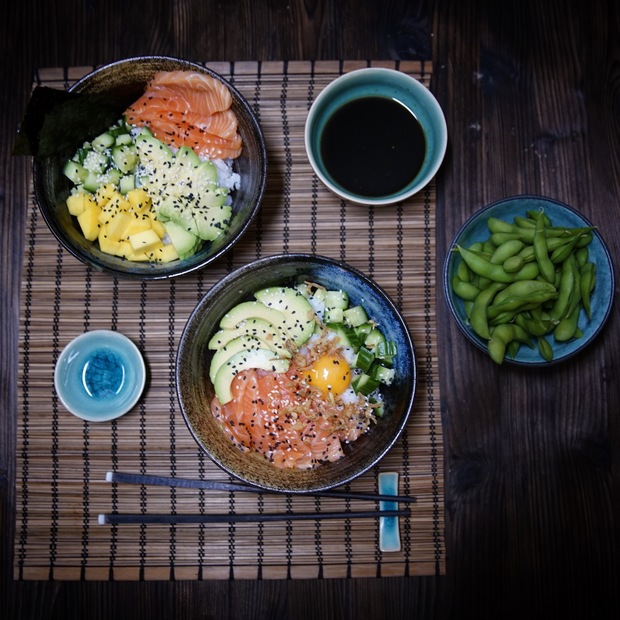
{"x": 319, "y": 295}
{"x": 95, "y": 161}
{"x": 103, "y": 141}
{"x": 347, "y": 336}
{"x": 386, "y": 350}
{"x": 374, "y": 338}
{"x": 364, "y": 384}
{"x": 75, "y": 172}
{"x": 333, "y": 315}
{"x": 363, "y": 359}
{"x": 337, "y": 299}
{"x": 123, "y": 139}
{"x": 355, "y": 316}
{"x": 382, "y": 374}
{"x": 363, "y": 330}
{"x": 127, "y": 183}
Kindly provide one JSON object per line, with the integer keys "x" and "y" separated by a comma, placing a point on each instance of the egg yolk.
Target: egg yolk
{"x": 331, "y": 374}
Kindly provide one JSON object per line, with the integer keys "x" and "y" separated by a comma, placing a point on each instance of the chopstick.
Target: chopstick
{"x": 122, "y": 477}
{"x": 123, "y": 519}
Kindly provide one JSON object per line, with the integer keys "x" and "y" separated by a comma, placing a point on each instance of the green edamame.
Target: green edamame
{"x": 526, "y": 283}
{"x": 541, "y": 251}
{"x": 478, "y": 318}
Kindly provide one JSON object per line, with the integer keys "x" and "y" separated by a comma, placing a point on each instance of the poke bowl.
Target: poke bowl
{"x": 271, "y": 436}
{"x": 129, "y": 164}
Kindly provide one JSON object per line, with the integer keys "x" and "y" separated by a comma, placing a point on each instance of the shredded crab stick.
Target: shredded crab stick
{"x": 187, "y": 108}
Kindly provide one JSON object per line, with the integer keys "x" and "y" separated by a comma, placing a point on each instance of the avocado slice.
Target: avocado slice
{"x": 223, "y": 354}
{"x": 299, "y": 316}
{"x": 184, "y": 242}
{"x": 252, "y": 310}
{"x": 269, "y": 335}
{"x": 255, "y": 358}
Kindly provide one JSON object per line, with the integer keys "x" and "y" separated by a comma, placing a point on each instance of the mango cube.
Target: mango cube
{"x": 118, "y": 224}
{"x": 104, "y": 193}
{"x": 89, "y": 222}
{"x": 159, "y": 228}
{"x": 139, "y": 200}
{"x": 139, "y": 223}
{"x": 76, "y": 203}
{"x": 166, "y": 253}
{"x": 145, "y": 242}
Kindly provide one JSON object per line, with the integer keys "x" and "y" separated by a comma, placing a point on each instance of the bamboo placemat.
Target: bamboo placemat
{"x": 62, "y": 461}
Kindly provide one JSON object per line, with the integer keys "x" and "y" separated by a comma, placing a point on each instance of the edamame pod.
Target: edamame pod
{"x": 541, "y": 251}
{"x": 506, "y": 250}
{"x": 465, "y": 290}
{"x": 478, "y": 318}
{"x": 545, "y": 349}
{"x": 484, "y": 267}
{"x": 586, "y": 285}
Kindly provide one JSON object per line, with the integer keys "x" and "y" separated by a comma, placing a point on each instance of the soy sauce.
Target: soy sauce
{"x": 373, "y": 146}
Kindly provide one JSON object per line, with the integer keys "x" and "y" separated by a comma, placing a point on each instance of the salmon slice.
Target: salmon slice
{"x": 186, "y": 108}
{"x": 206, "y": 92}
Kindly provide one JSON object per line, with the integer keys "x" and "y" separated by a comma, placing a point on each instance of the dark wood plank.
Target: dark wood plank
{"x": 530, "y": 91}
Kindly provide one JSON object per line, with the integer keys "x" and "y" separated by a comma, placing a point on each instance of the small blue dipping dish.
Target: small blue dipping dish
{"x": 100, "y": 376}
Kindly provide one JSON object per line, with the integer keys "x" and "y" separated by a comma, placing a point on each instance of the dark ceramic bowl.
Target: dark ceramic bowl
{"x": 123, "y": 82}
{"x": 476, "y": 229}
{"x": 195, "y": 391}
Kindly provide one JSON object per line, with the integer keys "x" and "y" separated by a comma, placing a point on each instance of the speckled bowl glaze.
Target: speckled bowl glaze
{"x": 100, "y": 375}
{"x": 381, "y": 82}
{"x": 195, "y": 391}
{"x": 476, "y": 229}
{"x": 124, "y": 81}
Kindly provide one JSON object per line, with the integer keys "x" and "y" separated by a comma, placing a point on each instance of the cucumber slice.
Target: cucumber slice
{"x": 103, "y": 141}
{"x": 355, "y": 316}
{"x": 337, "y": 299}
{"x": 75, "y": 172}
{"x": 364, "y": 384}
{"x": 382, "y": 374}
{"x": 363, "y": 359}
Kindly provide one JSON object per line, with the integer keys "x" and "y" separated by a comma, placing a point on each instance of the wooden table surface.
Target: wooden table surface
{"x": 531, "y": 93}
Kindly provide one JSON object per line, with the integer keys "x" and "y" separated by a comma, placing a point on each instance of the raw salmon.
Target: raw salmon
{"x": 290, "y": 423}
{"x": 189, "y": 108}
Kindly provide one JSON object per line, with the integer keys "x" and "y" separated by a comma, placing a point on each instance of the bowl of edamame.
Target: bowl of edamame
{"x": 529, "y": 280}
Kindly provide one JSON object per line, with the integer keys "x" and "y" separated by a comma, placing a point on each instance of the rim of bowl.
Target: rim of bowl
{"x": 264, "y": 263}
{"x": 430, "y": 100}
{"x": 164, "y": 270}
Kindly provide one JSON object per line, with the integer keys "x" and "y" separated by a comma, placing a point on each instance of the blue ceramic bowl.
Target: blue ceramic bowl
{"x": 196, "y": 392}
{"x": 476, "y": 229}
{"x": 122, "y": 82}
{"x": 100, "y": 376}
{"x": 385, "y": 83}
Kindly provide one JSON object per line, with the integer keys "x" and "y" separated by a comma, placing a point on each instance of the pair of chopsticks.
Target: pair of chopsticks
{"x": 128, "y": 478}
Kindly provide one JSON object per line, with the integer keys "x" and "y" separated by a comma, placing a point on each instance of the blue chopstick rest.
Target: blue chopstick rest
{"x": 389, "y": 531}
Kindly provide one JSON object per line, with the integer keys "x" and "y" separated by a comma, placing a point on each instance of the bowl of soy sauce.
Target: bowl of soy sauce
{"x": 375, "y": 136}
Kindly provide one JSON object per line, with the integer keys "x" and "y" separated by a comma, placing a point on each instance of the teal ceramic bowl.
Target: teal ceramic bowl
{"x": 411, "y": 169}
{"x": 196, "y": 392}
{"x": 100, "y": 376}
{"x": 476, "y": 229}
